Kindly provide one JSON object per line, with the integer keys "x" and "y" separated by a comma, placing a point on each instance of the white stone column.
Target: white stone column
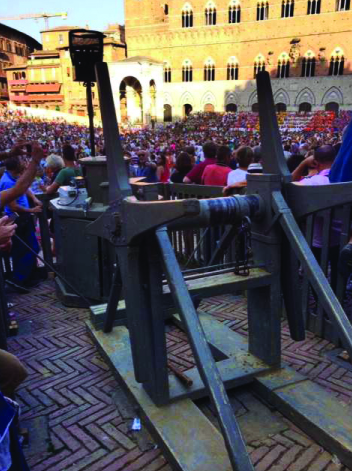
{"x": 146, "y": 104}
{"x": 159, "y": 111}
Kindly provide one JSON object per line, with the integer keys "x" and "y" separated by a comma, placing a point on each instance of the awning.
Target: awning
{"x": 43, "y": 88}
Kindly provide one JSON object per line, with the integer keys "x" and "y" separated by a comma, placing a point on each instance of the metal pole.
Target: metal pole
{"x": 91, "y": 117}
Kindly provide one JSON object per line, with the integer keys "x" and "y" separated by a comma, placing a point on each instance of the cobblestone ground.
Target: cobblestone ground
{"x": 69, "y": 394}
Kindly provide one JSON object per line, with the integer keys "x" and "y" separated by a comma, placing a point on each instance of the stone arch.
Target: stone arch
{"x": 131, "y": 104}
{"x": 309, "y": 54}
{"x": 187, "y": 7}
{"x": 167, "y": 99}
{"x": 231, "y": 98}
{"x": 305, "y": 96}
{"x": 187, "y": 98}
{"x": 208, "y": 98}
{"x": 337, "y": 52}
{"x": 281, "y": 96}
{"x": 253, "y": 98}
{"x": 333, "y": 95}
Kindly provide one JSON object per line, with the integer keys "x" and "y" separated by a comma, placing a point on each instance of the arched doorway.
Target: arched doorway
{"x": 332, "y": 106}
{"x": 167, "y": 113}
{"x": 281, "y": 107}
{"x": 231, "y": 108}
{"x": 208, "y": 108}
{"x": 255, "y": 108}
{"x": 187, "y": 109}
{"x": 131, "y": 105}
{"x": 305, "y": 107}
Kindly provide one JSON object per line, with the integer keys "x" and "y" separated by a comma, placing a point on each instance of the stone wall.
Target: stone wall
{"x": 153, "y": 33}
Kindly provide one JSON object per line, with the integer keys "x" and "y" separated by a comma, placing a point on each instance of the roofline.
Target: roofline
{"x": 60, "y": 28}
{"x": 45, "y": 52}
{"x": 37, "y": 44}
{"x": 10, "y": 67}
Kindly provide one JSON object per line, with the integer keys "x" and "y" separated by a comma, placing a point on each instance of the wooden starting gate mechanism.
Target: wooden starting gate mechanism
{"x": 149, "y": 286}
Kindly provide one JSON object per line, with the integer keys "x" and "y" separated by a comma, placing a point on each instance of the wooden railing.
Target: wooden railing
{"x": 335, "y": 228}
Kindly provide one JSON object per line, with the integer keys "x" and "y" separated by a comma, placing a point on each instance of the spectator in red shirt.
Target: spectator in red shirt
{"x": 216, "y": 174}
{"x": 195, "y": 175}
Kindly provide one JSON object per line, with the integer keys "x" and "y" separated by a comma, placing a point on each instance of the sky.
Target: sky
{"x": 97, "y": 14}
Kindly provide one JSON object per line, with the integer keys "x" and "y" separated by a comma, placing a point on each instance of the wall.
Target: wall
{"x": 149, "y": 32}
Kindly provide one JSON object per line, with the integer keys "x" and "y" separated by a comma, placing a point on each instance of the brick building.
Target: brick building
{"x": 209, "y": 51}
{"x": 15, "y": 47}
{"x": 49, "y": 76}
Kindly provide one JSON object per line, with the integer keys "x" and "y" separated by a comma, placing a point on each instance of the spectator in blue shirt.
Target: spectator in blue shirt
{"x": 24, "y": 262}
{"x": 146, "y": 168}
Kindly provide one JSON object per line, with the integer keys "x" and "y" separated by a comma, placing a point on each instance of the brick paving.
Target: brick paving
{"x": 72, "y": 393}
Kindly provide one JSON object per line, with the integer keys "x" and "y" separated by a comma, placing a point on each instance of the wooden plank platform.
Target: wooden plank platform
{"x": 238, "y": 368}
{"x": 187, "y": 438}
{"x": 206, "y": 287}
{"x": 317, "y": 412}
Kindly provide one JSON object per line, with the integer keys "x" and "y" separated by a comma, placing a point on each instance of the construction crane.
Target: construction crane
{"x": 36, "y": 16}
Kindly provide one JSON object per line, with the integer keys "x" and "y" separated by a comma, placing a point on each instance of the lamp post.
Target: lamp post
{"x": 86, "y": 49}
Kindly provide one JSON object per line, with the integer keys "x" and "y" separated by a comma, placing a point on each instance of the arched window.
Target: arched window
{"x": 187, "y": 71}
{"x": 259, "y": 65}
{"x": 9, "y": 48}
{"x": 287, "y": 8}
{"x": 167, "y": 73}
{"x": 23, "y": 75}
{"x": 337, "y": 63}
{"x": 313, "y": 7}
{"x": 209, "y": 70}
{"x": 232, "y": 69}
{"x": 283, "y": 66}
{"x": 210, "y": 14}
{"x": 262, "y": 11}
{"x": 187, "y": 16}
{"x": 234, "y": 12}
{"x": 343, "y": 5}
{"x": 308, "y": 65}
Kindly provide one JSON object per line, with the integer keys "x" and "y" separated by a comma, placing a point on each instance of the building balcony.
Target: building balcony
{"x": 43, "y": 88}
{"x": 18, "y": 82}
{"x": 36, "y": 98}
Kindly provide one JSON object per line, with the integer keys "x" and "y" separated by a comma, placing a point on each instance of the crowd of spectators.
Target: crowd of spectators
{"x": 39, "y": 156}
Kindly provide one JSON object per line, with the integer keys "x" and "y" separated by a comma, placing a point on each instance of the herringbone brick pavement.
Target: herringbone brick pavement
{"x": 70, "y": 393}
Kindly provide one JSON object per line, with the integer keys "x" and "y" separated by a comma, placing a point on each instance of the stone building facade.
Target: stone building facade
{"x": 211, "y": 50}
{"x": 15, "y": 47}
{"x": 48, "y": 73}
